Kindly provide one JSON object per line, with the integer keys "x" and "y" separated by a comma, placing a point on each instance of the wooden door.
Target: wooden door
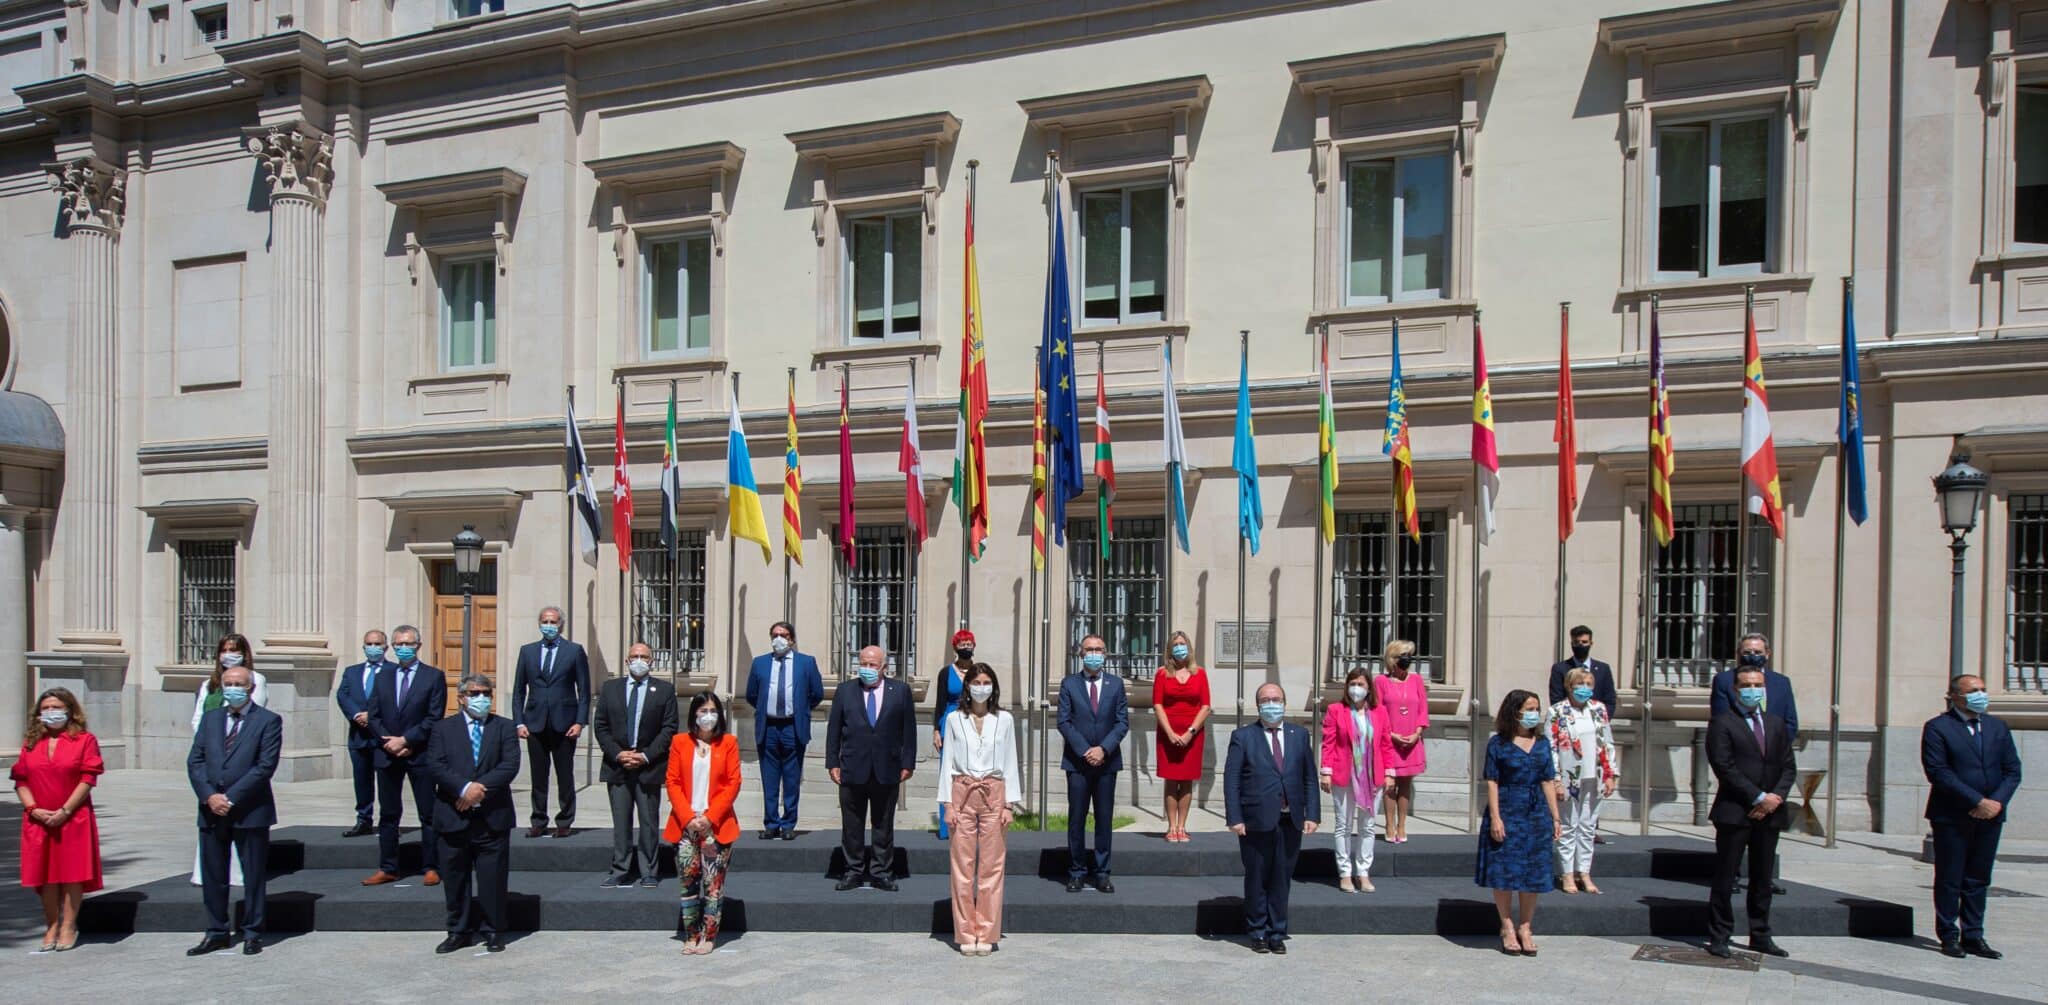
{"x": 445, "y": 637}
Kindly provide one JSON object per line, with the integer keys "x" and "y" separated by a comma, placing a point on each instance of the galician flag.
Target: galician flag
{"x": 1394, "y": 444}
{"x": 910, "y": 461}
{"x": 1105, "y": 466}
{"x": 792, "y": 487}
{"x": 1176, "y": 448}
{"x": 1485, "y": 454}
{"x": 1759, "y": 455}
{"x": 622, "y": 492}
{"x": 1326, "y": 451}
{"x": 744, "y": 517}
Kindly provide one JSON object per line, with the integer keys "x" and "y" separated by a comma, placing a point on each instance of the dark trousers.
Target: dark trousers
{"x": 1269, "y": 858}
{"x": 484, "y": 855}
{"x": 634, "y": 805}
{"x": 391, "y": 783}
{"x": 782, "y": 774}
{"x": 215, "y": 845}
{"x": 1963, "y": 851}
{"x": 1089, "y": 790}
{"x": 362, "y": 763}
{"x": 558, "y": 749}
{"x": 861, "y": 806}
{"x": 1732, "y": 845}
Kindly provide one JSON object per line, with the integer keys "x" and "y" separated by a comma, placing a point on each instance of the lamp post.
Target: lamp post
{"x": 1960, "y": 490}
{"x": 469, "y": 557}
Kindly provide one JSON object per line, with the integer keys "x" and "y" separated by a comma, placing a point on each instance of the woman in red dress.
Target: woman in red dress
{"x": 1180, "y": 698}
{"x": 60, "y": 840}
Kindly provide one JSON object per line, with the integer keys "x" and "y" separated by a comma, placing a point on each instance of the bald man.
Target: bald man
{"x": 870, "y": 750}
{"x": 1270, "y": 801}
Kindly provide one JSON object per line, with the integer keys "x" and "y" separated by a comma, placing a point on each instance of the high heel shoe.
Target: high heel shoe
{"x": 1509, "y": 945}
{"x": 1528, "y": 939}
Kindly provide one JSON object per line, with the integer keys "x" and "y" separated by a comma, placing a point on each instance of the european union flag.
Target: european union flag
{"x": 1062, "y": 414}
{"x": 1850, "y": 429}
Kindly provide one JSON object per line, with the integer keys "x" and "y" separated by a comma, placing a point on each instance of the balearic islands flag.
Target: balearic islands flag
{"x": 1663, "y": 449}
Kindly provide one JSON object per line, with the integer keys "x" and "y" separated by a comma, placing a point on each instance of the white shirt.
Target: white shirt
{"x": 635, "y": 711}
{"x": 989, "y": 753}
{"x": 700, "y": 779}
{"x": 258, "y": 693}
{"x": 780, "y": 675}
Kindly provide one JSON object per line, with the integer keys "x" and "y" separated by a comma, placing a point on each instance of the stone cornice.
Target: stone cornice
{"x": 1714, "y": 22}
{"x": 504, "y": 500}
{"x": 1118, "y": 104}
{"x": 1378, "y": 67}
{"x": 680, "y": 164}
{"x": 906, "y": 134}
{"x": 80, "y": 91}
{"x": 191, "y": 514}
{"x": 448, "y": 189}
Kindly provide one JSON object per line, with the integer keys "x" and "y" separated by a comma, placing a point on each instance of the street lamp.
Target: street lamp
{"x": 469, "y": 557}
{"x": 1960, "y": 490}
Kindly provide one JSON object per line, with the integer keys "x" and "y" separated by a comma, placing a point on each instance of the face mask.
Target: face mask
{"x": 1977, "y": 701}
{"x": 549, "y": 632}
{"x": 478, "y": 705}
{"x": 1356, "y": 691}
{"x": 869, "y": 675}
{"x": 1180, "y": 650}
{"x": 1580, "y": 652}
{"x": 638, "y": 668}
{"x": 1754, "y": 659}
{"x": 980, "y": 692}
{"x": 373, "y": 654}
{"x": 405, "y": 653}
{"x": 1531, "y": 720}
{"x": 1582, "y": 694}
{"x": 54, "y": 718}
{"x": 1751, "y": 696}
{"x": 779, "y": 644}
{"x": 707, "y": 721}
{"x": 1404, "y": 661}
{"x": 963, "y": 655}
{"x": 230, "y": 659}
{"x": 234, "y": 694}
{"x": 1094, "y": 661}
{"x": 1271, "y": 712}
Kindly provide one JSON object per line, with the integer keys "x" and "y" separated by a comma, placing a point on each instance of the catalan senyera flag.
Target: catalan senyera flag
{"x": 1326, "y": 450}
{"x": 1105, "y": 467}
{"x": 1759, "y": 454}
{"x": 1565, "y": 433}
{"x": 1663, "y": 449}
{"x": 745, "y": 519}
{"x": 845, "y": 479}
{"x": 910, "y": 461}
{"x": 792, "y": 488}
{"x": 1485, "y": 452}
{"x": 622, "y": 491}
{"x": 1394, "y": 444}
{"x": 1037, "y": 475}
{"x": 970, "y": 441}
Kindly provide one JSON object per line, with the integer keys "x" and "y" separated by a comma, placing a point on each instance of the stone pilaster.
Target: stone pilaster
{"x": 14, "y": 627}
{"x": 91, "y": 194}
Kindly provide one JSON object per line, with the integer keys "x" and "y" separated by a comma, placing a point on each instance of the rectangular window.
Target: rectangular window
{"x": 1364, "y": 589}
{"x": 206, "y": 598}
{"x": 1123, "y": 255}
{"x": 472, "y": 8}
{"x": 1128, "y": 617}
{"x": 1693, "y": 594}
{"x": 676, "y": 296}
{"x": 2030, "y": 166}
{"x": 875, "y": 601}
{"x": 1714, "y": 201}
{"x": 210, "y": 25}
{"x": 1397, "y": 223}
{"x": 885, "y": 276}
{"x": 469, "y": 313}
{"x": 668, "y": 609}
{"x": 2026, "y": 595}
{"x": 159, "y": 32}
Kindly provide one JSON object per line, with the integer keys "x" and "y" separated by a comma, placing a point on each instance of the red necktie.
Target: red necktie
{"x": 1756, "y": 726}
{"x": 1279, "y": 764}
{"x": 1095, "y": 695}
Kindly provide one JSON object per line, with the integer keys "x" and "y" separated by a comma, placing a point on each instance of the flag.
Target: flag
{"x": 1663, "y": 456}
{"x": 1394, "y": 444}
{"x": 743, "y": 515}
{"x": 1037, "y": 473}
{"x": 845, "y": 478}
{"x": 1105, "y": 466}
{"x": 579, "y": 489}
{"x": 1244, "y": 458}
{"x": 970, "y": 443}
{"x": 1485, "y": 453}
{"x": 1759, "y": 454}
{"x": 911, "y": 462}
{"x": 1850, "y": 428}
{"x": 1063, "y": 435}
{"x": 671, "y": 475}
{"x": 622, "y": 492}
{"x": 1565, "y": 433}
{"x": 792, "y": 488}
{"x": 1326, "y": 450}
{"x": 1176, "y": 448}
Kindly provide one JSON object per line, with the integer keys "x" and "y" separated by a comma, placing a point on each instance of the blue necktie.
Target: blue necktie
{"x": 874, "y": 707}
{"x": 476, "y": 741}
{"x": 633, "y": 717}
{"x": 369, "y": 678}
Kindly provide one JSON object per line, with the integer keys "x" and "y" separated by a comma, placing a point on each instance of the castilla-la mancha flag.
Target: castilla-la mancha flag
{"x": 1759, "y": 455}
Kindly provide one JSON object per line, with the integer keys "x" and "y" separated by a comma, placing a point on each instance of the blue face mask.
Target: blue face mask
{"x": 1531, "y": 720}
{"x": 548, "y": 631}
{"x": 1977, "y": 701}
{"x": 1751, "y": 696}
{"x": 1180, "y": 650}
{"x": 478, "y": 705}
{"x": 1271, "y": 712}
{"x": 1094, "y": 661}
{"x": 869, "y": 675}
{"x": 373, "y": 654}
{"x": 405, "y": 653}
{"x": 1582, "y": 694}
{"x": 234, "y": 694}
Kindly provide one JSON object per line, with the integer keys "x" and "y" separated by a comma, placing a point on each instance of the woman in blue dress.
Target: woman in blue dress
{"x": 1521, "y": 821}
{"x": 948, "y": 694}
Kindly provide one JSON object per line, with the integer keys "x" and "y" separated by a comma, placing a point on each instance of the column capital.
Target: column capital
{"x": 298, "y": 159}
{"x": 91, "y": 192}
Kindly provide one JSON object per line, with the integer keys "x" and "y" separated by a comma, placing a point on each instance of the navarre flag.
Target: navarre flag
{"x": 1244, "y": 459}
{"x": 1485, "y": 453}
{"x": 671, "y": 475}
{"x": 582, "y": 497}
{"x": 1394, "y": 444}
{"x": 622, "y": 492}
{"x": 744, "y": 517}
{"x": 1663, "y": 449}
{"x": 1849, "y": 428}
{"x": 1105, "y": 467}
{"x": 1565, "y": 432}
{"x": 845, "y": 478}
{"x": 970, "y": 442}
{"x": 1759, "y": 454}
{"x": 792, "y": 487}
{"x": 1176, "y": 448}
{"x": 1326, "y": 450}
{"x": 1063, "y": 422}
{"x": 910, "y": 461}
{"x": 1038, "y": 474}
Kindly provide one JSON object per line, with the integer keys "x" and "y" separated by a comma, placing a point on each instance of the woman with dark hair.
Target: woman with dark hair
{"x": 703, "y": 783}
{"x": 1357, "y": 746}
{"x": 231, "y": 651}
{"x": 1516, "y": 843}
{"x": 946, "y": 694}
{"x": 60, "y": 838}
{"x": 978, "y": 776}
{"x": 1180, "y": 695}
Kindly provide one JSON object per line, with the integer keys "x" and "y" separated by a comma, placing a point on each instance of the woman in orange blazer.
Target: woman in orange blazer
{"x": 703, "y": 781}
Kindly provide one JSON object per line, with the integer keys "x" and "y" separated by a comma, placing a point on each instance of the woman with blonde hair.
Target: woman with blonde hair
{"x": 1588, "y": 770}
{"x": 1405, "y": 697}
{"x": 60, "y": 838}
{"x": 1180, "y": 696}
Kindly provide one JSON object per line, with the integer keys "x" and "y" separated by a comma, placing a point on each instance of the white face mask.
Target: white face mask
{"x": 779, "y": 644}
{"x": 54, "y": 717}
{"x": 980, "y": 692}
{"x": 707, "y": 721}
{"x": 1356, "y": 691}
{"x": 230, "y": 659}
{"x": 638, "y": 668}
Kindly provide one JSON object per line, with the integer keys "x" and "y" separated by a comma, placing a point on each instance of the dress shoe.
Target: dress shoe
{"x": 1953, "y": 950}
{"x": 433, "y": 878}
{"x": 1777, "y": 888}
{"x": 1719, "y": 948}
{"x": 379, "y": 878}
{"x": 210, "y": 944}
{"x": 789, "y": 835}
{"x": 768, "y": 835}
{"x": 452, "y": 943}
{"x": 1104, "y": 885}
{"x": 1979, "y": 947}
{"x": 649, "y": 882}
{"x": 1075, "y": 885}
{"x": 1259, "y": 946}
{"x": 848, "y": 883}
{"x": 883, "y": 883}
{"x": 535, "y": 831}
{"x": 1768, "y": 948}
{"x": 562, "y": 831}
{"x": 610, "y": 883}
{"x": 359, "y": 830}
{"x": 494, "y": 943}
{"x": 1597, "y": 839}
{"x": 1277, "y": 947}
{"x": 252, "y": 945}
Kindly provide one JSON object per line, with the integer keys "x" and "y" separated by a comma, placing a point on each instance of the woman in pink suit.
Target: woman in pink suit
{"x": 60, "y": 838}
{"x": 1357, "y": 744}
{"x": 1405, "y": 697}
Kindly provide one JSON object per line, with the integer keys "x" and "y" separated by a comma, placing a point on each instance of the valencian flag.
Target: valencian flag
{"x": 579, "y": 489}
{"x": 845, "y": 478}
{"x": 910, "y": 461}
{"x": 671, "y": 475}
{"x": 1063, "y": 422}
{"x": 1244, "y": 459}
{"x": 1485, "y": 453}
{"x": 1176, "y": 447}
{"x": 1565, "y": 433}
{"x": 1326, "y": 449}
{"x": 744, "y": 518}
{"x": 1037, "y": 473}
{"x": 1105, "y": 465}
{"x": 1663, "y": 450}
{"x": 1850, "y": 429}
{"x": 970, "y": 442}
{"x": 622, "y": 492}
{"x": 792, "y": 487}
{"x": 1394, "y": 444}
{"x": 1759, "y": 455}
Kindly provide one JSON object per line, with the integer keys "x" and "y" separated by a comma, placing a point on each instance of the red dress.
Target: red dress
{"x": 71, "y": 853}
{"x": 1176, "y": 704}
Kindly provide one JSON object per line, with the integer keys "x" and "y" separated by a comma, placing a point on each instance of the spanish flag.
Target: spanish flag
{"x": 744, "y": 516}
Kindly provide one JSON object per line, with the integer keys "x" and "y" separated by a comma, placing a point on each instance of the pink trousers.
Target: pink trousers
{"x": 980, "y": 843}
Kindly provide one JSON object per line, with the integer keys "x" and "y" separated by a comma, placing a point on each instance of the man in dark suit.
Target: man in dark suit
{"x": 636, "y": 719}
{"x": 233, "y": 756}
{"x": 1094, "y": 717}
{"x": 353, "y": 695}
{"x": 1582, "y": 658}
{"x": 1755, "y": 651}
{"x": 550, "y": 705}
{"x": 783, "y": 686}
{"x": 472, "y": 758}
{"x": 870, "y": 750}
{"x": 1270, "y": 802}
{"x": 1751, "y": 754}
{"x": 404, "y": 704}
{"x": 1973, "y": 769}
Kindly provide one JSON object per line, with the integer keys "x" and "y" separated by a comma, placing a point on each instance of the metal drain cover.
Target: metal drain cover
{"x": 1697, "y": 956}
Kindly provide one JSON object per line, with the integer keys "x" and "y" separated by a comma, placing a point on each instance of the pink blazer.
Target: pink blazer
{"x": 1339, "y": 733}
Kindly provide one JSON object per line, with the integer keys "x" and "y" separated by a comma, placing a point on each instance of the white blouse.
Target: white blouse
{"x": 259, "y": 693}
{"x": 989, "y": 753}
{"x": 700, "y": 779}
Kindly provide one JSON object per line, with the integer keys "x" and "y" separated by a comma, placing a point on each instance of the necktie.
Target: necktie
{"x": 1279, "y": 760}
{"x": 633, "y": 715}
{"x": 1756, "y": 726}
{"x": 776, "y": 707}
{"x": 369, "y": 677}
{"x": 476, "y": 741}
{"x": 547, "y": 659}
{"x": 1095, "y": 695}
{"x": 234, "y": 729}
{"x": 404, "y": 681}
{"x": 874, "y": 704}
{"x": 1977, "y": 736}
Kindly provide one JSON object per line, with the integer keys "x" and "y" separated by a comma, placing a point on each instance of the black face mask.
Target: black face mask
{"x": 1752, "y": 659}
{"x": 963, "y": 655}
{"x": 1403, "y": 661}
{"x": 1580, "y": 652}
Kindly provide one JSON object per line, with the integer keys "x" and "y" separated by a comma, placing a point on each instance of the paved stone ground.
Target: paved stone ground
{"x": 146, "y": 830}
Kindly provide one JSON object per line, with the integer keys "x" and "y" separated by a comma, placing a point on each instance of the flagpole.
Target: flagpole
{"x": 569, "y": 519}
{"x": 1393, "y": 556}
{"x": 1477, "y": 700}
{"x": 1052, "y": 181}
{"x": 732, "y": 556}
{"x": 1564, "y": 308}
{"x": 1321, "y": 663}
{"x": 1742, "y": 488}
{"x": 674, "y": 628}
{"x": 917, "y": 550}
{"x": 1643, "y": 628}
{"x": 625, "y": 604}
{"x": 1841, "y": 531}
{"x": 1103, "y": 534}
{"x": 788, "y": 599}
{"x": 966, "y": 438}
{"x": 1244, "y": 343}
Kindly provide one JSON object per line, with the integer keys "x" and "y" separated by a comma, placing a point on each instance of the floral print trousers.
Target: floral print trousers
{"x": 701, "y": 863}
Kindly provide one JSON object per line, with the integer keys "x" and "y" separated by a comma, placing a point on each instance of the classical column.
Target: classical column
{"x": 14, "y": 627}
{"x": 91, "y": 193}
{"x": 297, "y": 160}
